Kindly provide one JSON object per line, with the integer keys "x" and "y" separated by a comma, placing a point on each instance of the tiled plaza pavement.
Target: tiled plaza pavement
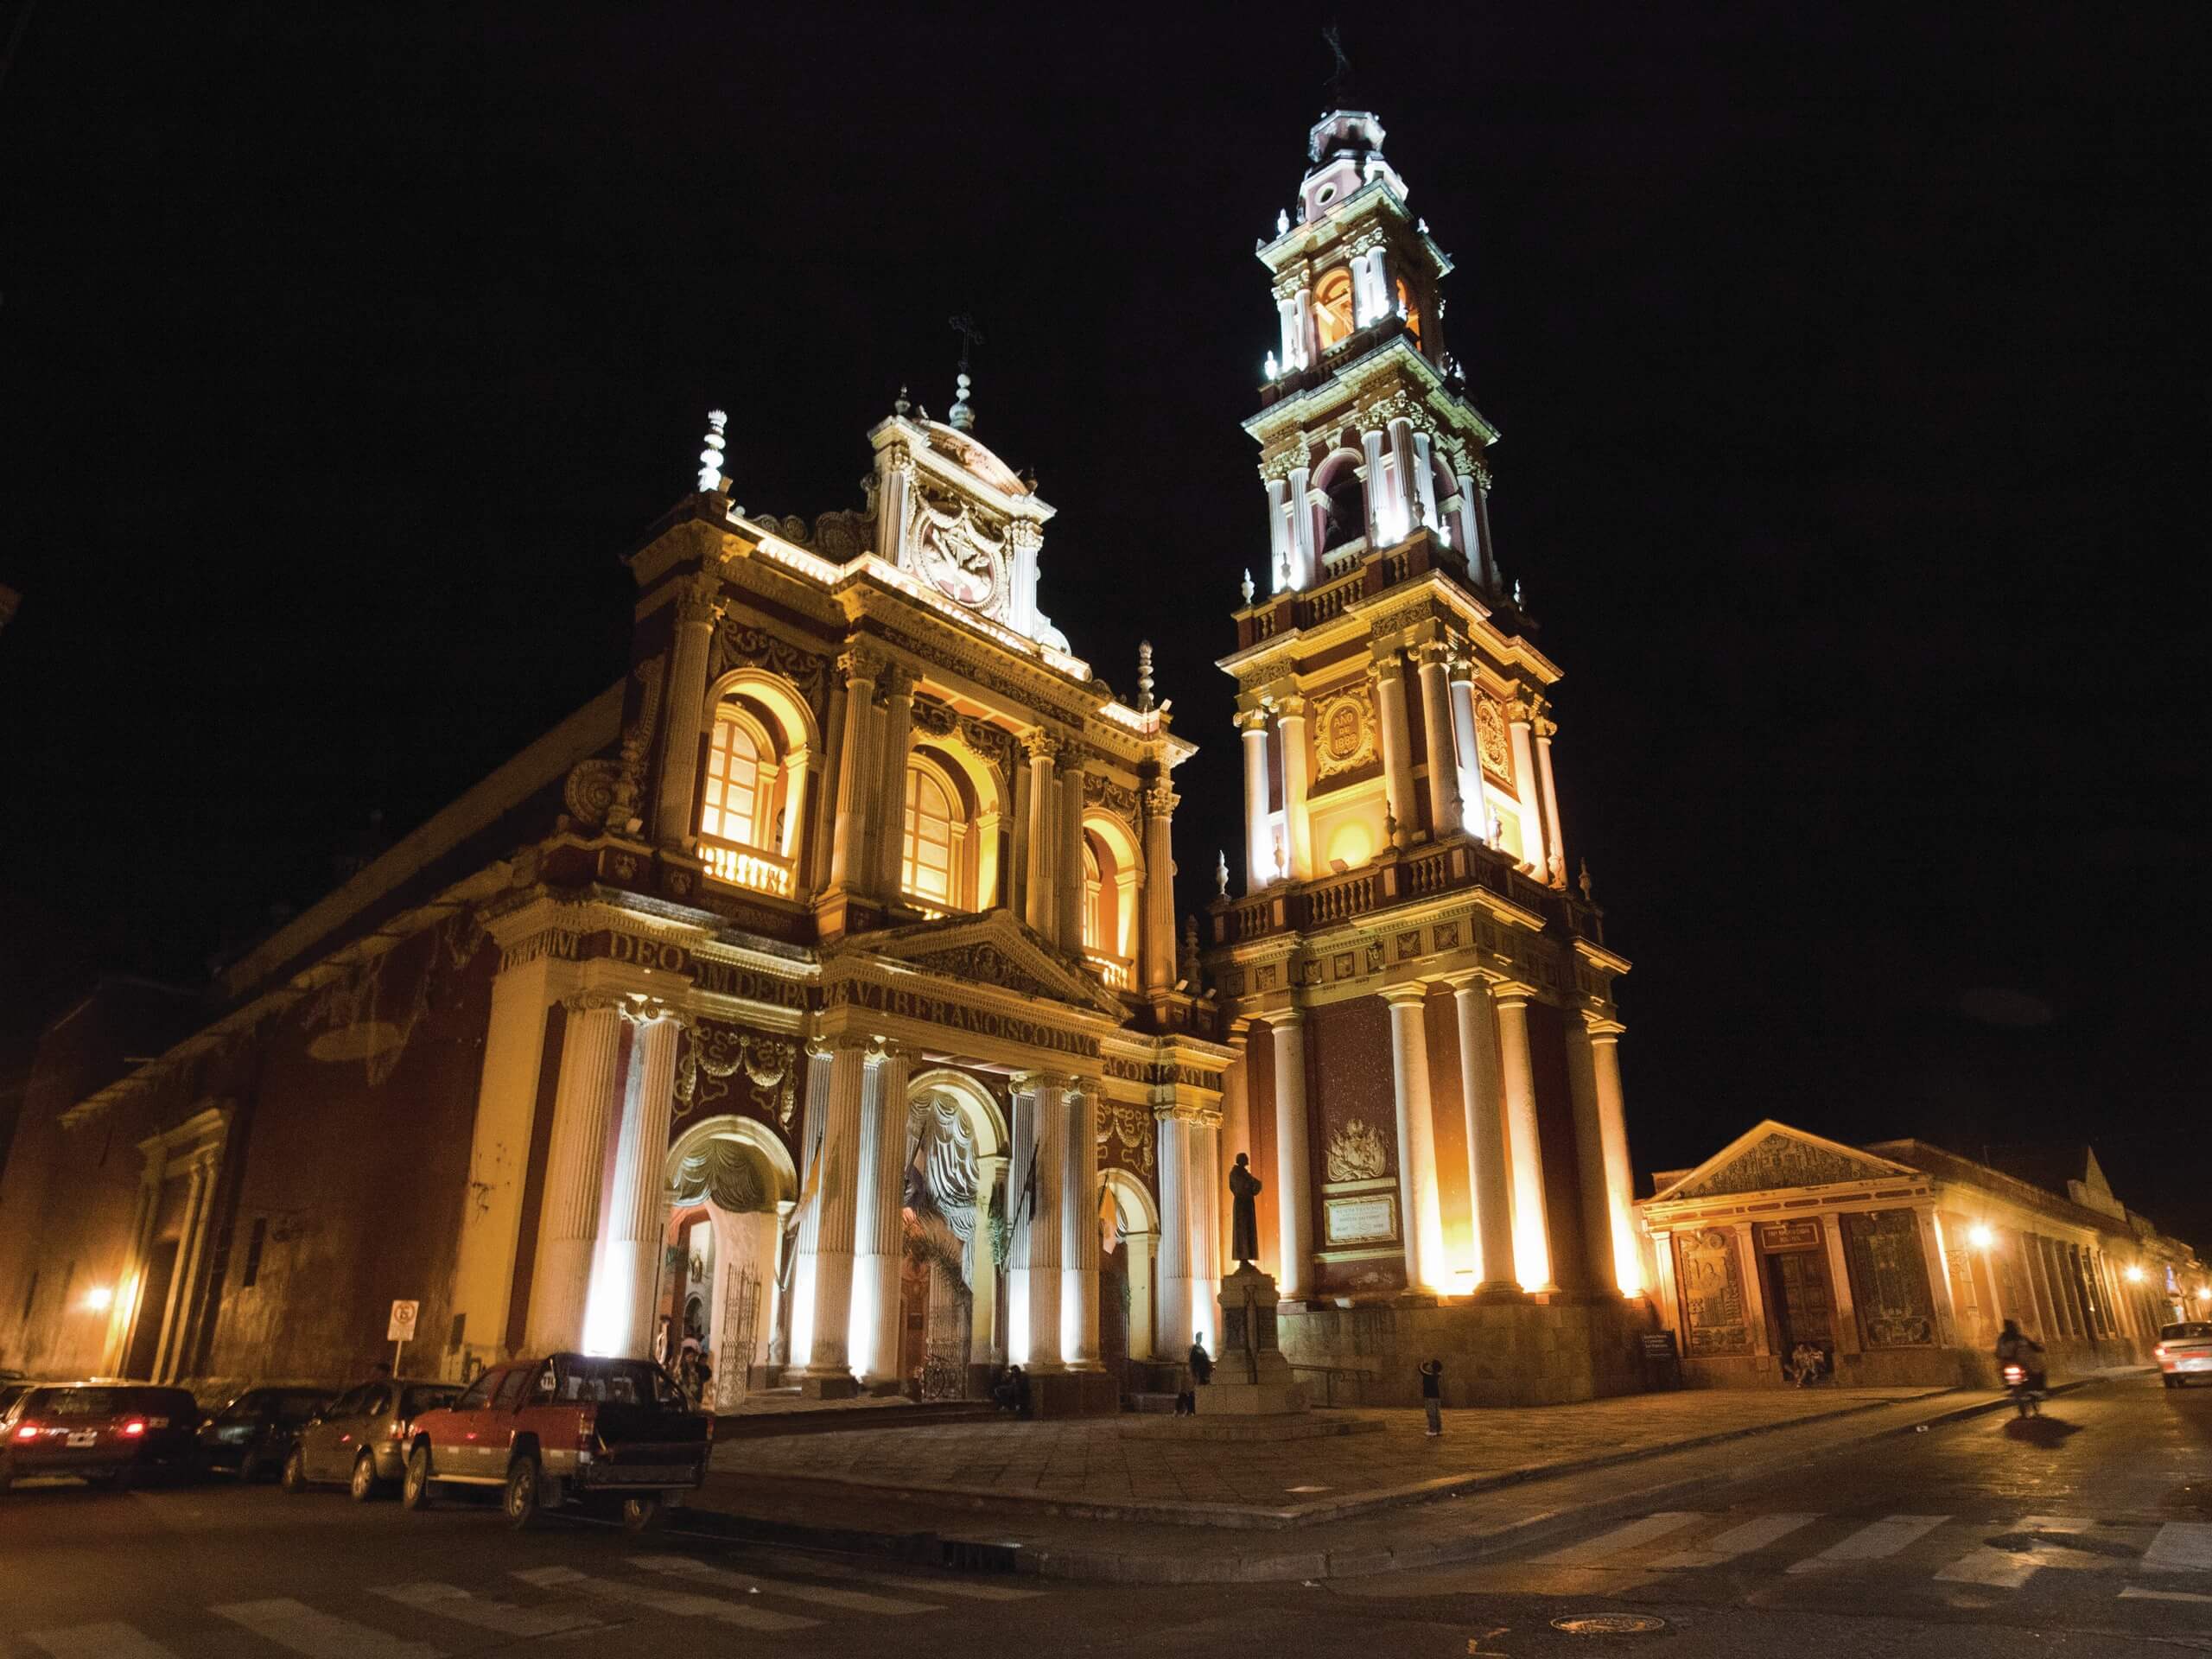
{"x": 1092, "y": 1461}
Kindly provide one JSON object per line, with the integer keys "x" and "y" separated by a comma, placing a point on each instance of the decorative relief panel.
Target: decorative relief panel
{"x": 1125, "y": 1135}
{"x": 736, "y": 645}
{"x": 1889, "y": 1278}
{"x": 1781, "y": 1161}
{"x": 1712, "y": 1291}
{"x": 984, "y": 963}
{"x": 1490, "y": 737}
{"x": 1358, "y": 1151}
{"x": 720, "y": 1068}
{"x": 1344, "y": 731}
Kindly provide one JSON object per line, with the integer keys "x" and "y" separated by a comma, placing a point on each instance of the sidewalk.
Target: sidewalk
{"x": 1041, "y": 1498}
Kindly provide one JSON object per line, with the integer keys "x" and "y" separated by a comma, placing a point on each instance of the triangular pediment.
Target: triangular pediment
{"x": 995, "y": 950}
{"x": 1773, "y": 1156}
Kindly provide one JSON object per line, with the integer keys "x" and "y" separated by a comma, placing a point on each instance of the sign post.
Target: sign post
{"x": 401, "y": 1331}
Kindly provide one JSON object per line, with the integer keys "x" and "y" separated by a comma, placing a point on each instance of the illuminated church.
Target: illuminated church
{"x": 819, "y": 986}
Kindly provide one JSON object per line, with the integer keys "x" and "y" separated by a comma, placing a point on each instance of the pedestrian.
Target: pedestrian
{"x": 1432, "y": 1394}
{"x": 1201, "y": 1370}
{"x": 1007, "y": 1393}
{"x": 2015, "y": 1347}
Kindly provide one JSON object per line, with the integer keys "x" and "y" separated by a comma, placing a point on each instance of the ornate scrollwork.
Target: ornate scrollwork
{"x": 936, "y": 718}
{"x": 1356, "y": 1152}
{"x": 1130, "y": 1124}
{"x": 1490, "y": 737}
{"x": 1343, "y": 730}
{"x": 716, "y": 1054}
{"x": 601, "y": 793}
{"x": 736, "y": 645}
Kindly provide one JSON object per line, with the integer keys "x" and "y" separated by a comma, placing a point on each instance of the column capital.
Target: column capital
{"x": 1252, "y": 722}
{"x": 1437, "y": 654}
{"x": 1030, "y": 1083}
{"x": 859, "y": 662}
{"x": 596, "y": 1001}
{"x": 1040, "y": 745}
{"x": 1469, "y": 980}
{"x": 1545, "y": 729}
{"x": 701, "y": 599}
{"x": 898, "y": 680}
{"x": 1523, "y": 706}
{"x": 1603, "y": 1027}
{"x": 1413, "y": 994}
{"x": 1386, "y": 666}
{"x": 1160, "y": 800}
{"x": 1459, "y": 667}
{"x": 1290, "y": 708}
{"x": 1280, "y": 1018}
{"x": 651, "y": 1010}
{"x": 885, "y": 1048}
{"x": 1514, "y": 993}
{"x": 1092, "y": 1086}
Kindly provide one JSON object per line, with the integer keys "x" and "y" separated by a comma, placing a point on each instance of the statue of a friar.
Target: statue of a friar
{"x": 1244, "y": 1219}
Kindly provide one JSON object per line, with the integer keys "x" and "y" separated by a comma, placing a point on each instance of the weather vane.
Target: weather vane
{"x": 1343, "y": 68}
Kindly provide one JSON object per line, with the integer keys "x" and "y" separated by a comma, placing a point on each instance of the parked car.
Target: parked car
{"x": 252, "y": 1434}
{"x": 568, "y": 1429}
{"x": 110, "y": 1434}
{"x": 11, "y": 1391}
{"x": 2184, "y": 1351}
{"x": 360, "y": 1438}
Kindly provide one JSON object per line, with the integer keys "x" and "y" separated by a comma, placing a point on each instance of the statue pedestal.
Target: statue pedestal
{"x": 1250, "y": 1377}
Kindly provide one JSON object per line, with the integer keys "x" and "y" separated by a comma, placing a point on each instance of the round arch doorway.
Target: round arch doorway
{"x": 730, "y": 1183}
{"x": 1128, "y": 1239}
{"x": 952, "y": 1294}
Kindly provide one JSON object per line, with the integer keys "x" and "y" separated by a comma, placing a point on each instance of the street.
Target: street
{"x": 2087, "y": 1533}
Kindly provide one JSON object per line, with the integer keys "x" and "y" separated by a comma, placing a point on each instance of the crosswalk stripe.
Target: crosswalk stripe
{"x": 681, "y": 1603}
{"x": 2181, "y": 1546}
{"x": 451, "y": 1601}
{"x": 109, "y": 1640}
{"x": 1756, "y": 1534}
{"x": 964, "y": 1587}
{"x": 2008, "y": 1569}
{"x": 853, "y": 1601}
{"x": 1871, "y": 1542}
{"x": 294, "y": 1624}
{"x": 2136, "y": 1592}
{"x": 1620, "y": 1538}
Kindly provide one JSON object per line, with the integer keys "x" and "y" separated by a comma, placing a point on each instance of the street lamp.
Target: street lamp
{"x": 1979, "y": 1236}
{"x": 2134, "y": 1273}
{"x": 98, "y": 1299}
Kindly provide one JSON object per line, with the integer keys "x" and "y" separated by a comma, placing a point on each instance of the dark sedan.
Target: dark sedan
{"x": 108, "y": 1433}
{"x": 253, "y": 1435}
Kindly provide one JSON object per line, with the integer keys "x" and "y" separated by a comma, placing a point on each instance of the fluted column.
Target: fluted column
{"x": 1378, "y": 507}
{"x": 1554, "y": 841}
{"x": 821, "y": 837}
{"x": 1589, "y": 1159}
{"x": 1079, "y": 1229}
{"x": 1072, "y": 889}
{"x": 567, "y": 1223}
{"x": 1178, "y": 1293}
{"x": 1535, "y": 839}
{"x": 1420, "y": 1206}
{"x": 1297, "y": 823}
{"x": 1490, "y": 1169}
{"x": 1259, "y": 844}
{"x": 619, "y": 1318}
{"x": 1532, "y": 1240}
{"x": 1443, "y": 753}
{"x": 1040, "y": 1147}
{"x": 982, "y": 1270}
{"x": 1397, "y": 745}
{"x": 826, "y": 1236}
{"x": 848, "y": 842}
{"x": 1466, "y": 742}
{"x": 1158, "y": 943}
{"x": 1042, "y": 912}
{"x": 1405, "y": 501}
{"x": 1208, "y": 1187}
{"x": 779, "y": 1282}
{"x": 1293, "y": 1167}
{"x": 879, "y": 1235}
{"x": 891, "y": 782}
{"x": 687, "y": 707}
{"x": 1620, "y": 1176}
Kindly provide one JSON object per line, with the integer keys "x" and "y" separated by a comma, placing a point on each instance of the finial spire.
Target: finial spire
{"x": 710, "y": 453}
{"x": 1247, "y": 586}
{"x": 1144, "y": 676}
{"x": 963, "y": 412}
{"x": 1220, "y": 875}
{"x": 899, "y": 405}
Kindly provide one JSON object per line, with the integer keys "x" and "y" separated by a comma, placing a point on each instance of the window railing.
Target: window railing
{"x": 1113, "y": 971}
{"x": 746, "y": 867}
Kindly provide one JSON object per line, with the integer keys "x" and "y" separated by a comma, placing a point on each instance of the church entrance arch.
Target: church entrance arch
{"x": 1129, "y": 1243}
{"x": 952, "y": 1289}
{"x": 730, "y": 1183}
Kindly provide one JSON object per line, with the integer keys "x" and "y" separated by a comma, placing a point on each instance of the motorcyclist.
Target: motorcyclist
{"x": 2015, "y": 1347}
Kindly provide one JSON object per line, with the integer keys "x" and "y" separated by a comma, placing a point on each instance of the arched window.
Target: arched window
{"x": 1410, "y": 312}
{"x": 753, "y": 791}
{"x": 732, "y": 804}
{"x": 1332, "y": 307}
{"x": 1097, "y": 928}
{"x": 929, "y": 868}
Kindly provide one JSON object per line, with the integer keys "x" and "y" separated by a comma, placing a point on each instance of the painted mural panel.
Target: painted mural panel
{"x": 1889, "y": 1278}
{"x": 1713, "y": 1293}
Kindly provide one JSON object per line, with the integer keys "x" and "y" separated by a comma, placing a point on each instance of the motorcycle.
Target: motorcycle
{"x": 2021, "y": 1386}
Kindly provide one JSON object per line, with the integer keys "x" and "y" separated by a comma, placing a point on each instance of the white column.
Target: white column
{"x": 1377, "y": 481}
{"x": 1079, "y": 1229}
{"x": 1420, "y": 1206}
{"x": 1532, "y": 1243}
{"x": 1298, "y": 823}
{"x": 1294, "y": 1170}
{"x": 1303, "y": 554}
{"x": 982, "y": 1270}
{"x": 854, "y": 802}
{"x": 1293, "y": 336}
{"x": 1467, "y": 533}
{"x": 619, "y": 1318}
{"x": 1474, "y": 793}
{"x": 1404, "y": 503}
{"x": 1490, "y": 1169}
{"x": 1444, "y": 810}
{"x": 1071, "y": 859}
{"x": 1259, "y": 846}
{"x": 1535, "y": 839}
{"x": 825, "y": 1237}
{"x": 1042, "y": 914}
{"x": 1620, "y": 1176}
{"x": 1424, "y": 491}
{"x": 1021, "y": 1186}
{"x": 1042, "y": 1222}
{"x": 1589, "y": 1160}
{"x": 1177, "y": 1294}
{"x": 891, "y": 782}
{"x": 814, "y": 1125}
{"x": 687, "y": 701}
{"x": 779, "y": 1347}
{"x": 1554, "y": 841}
{"x": 1278, "y": 530}
{"x": 879, "y": 1235}
{"x": 1397, "y": 746}
{"x": 1157, "y": 941}
{"x": 567, "y": 1223}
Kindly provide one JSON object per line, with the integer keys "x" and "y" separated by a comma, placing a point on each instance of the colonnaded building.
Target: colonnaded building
{"x": 818, "y": 985}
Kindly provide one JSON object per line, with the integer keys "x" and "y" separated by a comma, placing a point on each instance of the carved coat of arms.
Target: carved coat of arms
{"x": 1357, "y": 1151}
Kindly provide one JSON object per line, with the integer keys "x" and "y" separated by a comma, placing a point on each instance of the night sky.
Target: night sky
{"x": 1848, "y": 368}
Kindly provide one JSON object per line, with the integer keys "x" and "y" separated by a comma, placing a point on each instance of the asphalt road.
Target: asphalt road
{"x": 1972, "y": 1540}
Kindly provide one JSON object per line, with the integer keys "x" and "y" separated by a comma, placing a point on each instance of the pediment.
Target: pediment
{"x": 1774, "y": 1155}
{"x": 999, "y": 950}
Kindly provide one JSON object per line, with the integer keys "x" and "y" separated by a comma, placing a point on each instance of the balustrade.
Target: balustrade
{"x": 746, "y": 867}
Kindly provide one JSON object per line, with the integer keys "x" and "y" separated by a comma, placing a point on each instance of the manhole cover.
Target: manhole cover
{"x": 1609, "y": 1623}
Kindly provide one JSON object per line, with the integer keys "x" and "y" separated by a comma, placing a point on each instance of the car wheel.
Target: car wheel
{"x": 7, "y": 1472}
{"x": 521, "y": 1500}
{"x": 415, "y": 1492}
{"x": 364, "y": 1485}
{"x": 2170, "y": 1382}
{"x": 118, "y": 1481}
{"x": 640, "y": 1511}
{"x": 294, "y": 1478}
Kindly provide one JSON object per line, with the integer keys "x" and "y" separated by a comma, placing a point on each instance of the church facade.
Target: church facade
{"x": 1420, "y": 1006}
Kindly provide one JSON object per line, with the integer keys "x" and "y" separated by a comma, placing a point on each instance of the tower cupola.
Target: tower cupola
{"x": 1346, "y": 150}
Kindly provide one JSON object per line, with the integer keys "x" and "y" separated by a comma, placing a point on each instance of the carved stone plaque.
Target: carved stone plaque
{"x": 1712, "y": 1291}
{"x": 1889, "y": 1278}
{"x": 1369, "y": 1218}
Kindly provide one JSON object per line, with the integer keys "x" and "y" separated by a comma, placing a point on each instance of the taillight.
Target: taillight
{"x": 399, "y": 1427}
{"x": 135, "y": 1425}
{"x": 28, "y": 1432}
{"x": 2160, "y": 1350}
{"x": 2014, "y": 1374}
{"x": 587, "y": 1426}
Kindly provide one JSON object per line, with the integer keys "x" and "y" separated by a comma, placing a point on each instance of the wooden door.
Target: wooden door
{"x": 1804, "y": 1310}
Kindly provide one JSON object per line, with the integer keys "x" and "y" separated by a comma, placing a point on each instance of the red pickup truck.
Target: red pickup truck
{"x": 562, "y": 1429}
